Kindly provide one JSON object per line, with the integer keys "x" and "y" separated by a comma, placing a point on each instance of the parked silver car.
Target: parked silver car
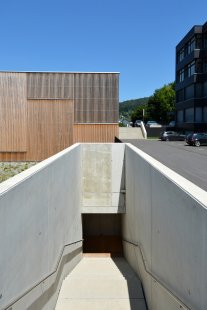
{"x": 153, "y": 124}
{"x": 172, "y": 136}
{"x": 137, "y": 123}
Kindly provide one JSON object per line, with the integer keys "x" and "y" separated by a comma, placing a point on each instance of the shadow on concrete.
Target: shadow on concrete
{"x": 40, "y": 302}
{"x": 135, "y": 289}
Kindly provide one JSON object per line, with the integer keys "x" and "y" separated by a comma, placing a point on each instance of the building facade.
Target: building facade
{"x": 191, "y": 80}
{"x": 42, "y": 113}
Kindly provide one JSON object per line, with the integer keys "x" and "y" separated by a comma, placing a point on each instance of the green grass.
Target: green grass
{"x": 9, "y": 169}
{"x": 153, "y": 138}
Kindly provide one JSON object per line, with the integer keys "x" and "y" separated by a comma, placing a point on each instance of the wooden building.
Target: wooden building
{"x": 41, "y": 113}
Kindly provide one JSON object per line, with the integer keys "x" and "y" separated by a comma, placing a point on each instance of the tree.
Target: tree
{"x": 138, "y": 113}
{"x": 161, "y": 106}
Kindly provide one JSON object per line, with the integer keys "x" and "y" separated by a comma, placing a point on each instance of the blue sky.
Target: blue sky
{"x": 134, "y": 37}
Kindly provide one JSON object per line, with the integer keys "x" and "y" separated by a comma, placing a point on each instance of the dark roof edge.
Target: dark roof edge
{"x": 193, "y": 30}
{"x": 72, "y": 72}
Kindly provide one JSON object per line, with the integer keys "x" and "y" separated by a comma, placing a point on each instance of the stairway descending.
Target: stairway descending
{"x": 101, "y": 283}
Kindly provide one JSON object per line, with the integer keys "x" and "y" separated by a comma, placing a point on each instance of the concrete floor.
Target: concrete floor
{"x": 101, "y": 283}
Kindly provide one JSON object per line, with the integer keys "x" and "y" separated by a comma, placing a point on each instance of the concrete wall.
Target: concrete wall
{"x": 130, "y": 133}
{"x": 40, "y": 231}
{"x": 165, "y": 232}
{"x": 103, "y": 178}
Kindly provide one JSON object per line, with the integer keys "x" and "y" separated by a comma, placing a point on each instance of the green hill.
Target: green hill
{"x": 127, "y": 107}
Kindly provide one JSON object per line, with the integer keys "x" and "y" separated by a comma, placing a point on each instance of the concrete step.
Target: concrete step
{"x": 101, "y": 283}
{"x": 97, "y": 304}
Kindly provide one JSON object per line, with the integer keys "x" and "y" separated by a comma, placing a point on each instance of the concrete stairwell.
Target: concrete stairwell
{"x": 101, "y": 283}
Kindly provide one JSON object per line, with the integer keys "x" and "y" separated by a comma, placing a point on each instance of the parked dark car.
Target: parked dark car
{"x": 196, "y": 139}
{"x": 172, "y": 136}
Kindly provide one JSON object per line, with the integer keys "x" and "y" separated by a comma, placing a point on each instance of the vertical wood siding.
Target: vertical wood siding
{"x": 96, "y": 97}
{"x": 95, "y": 133}
{"x": 50, "y": 127}
{"x": 13, "y": 105}
{"x": 50, "y": 85}
{"x": 13, "y": 156}
{"x": 43, "y": 113}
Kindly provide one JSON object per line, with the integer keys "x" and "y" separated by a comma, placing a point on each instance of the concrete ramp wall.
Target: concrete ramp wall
{"x": 131, "y": 133}
{"x": 40, "y": 231}
{"x": 165, "y": 233}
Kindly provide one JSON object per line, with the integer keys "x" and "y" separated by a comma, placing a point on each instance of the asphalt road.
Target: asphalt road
{"x": 188, "y": 161}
